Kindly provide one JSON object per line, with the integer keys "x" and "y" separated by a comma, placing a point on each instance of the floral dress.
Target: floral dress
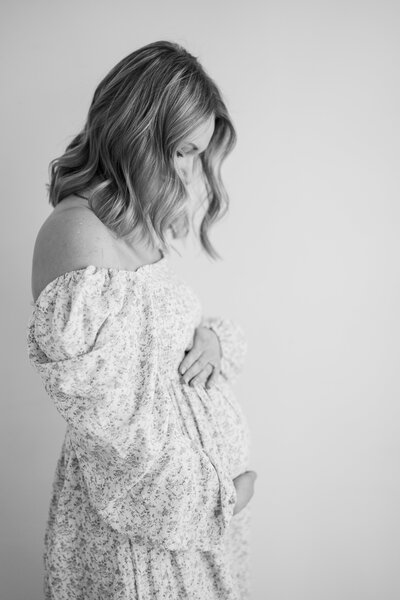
{"x": 142, "y": 500}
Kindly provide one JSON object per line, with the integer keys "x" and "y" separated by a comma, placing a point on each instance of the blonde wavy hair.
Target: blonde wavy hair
{"x": 141, "y": 112}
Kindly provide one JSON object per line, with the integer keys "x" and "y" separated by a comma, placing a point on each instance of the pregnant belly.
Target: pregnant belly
{"x": 215, "y": 419}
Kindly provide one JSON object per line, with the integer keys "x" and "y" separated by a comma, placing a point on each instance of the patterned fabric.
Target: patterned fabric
{"x": 143, "y": 498}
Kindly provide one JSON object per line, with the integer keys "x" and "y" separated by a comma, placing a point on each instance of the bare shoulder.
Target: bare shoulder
{"x": 69, "y": 239}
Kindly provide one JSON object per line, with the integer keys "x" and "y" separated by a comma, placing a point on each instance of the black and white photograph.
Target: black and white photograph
{"x": 201, "y": 291}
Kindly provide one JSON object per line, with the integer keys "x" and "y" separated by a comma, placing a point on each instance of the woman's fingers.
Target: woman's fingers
{"x": 201, "y": 363}
{"x": 194, "y": 369}
{"x": 213, "y": 377}
{"x": 198, "y": 372}
{"x": 203, "y": 376}
{"x": 190, "y": 358}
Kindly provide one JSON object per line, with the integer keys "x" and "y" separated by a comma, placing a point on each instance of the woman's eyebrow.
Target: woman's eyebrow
{"x": 193, "y": 147}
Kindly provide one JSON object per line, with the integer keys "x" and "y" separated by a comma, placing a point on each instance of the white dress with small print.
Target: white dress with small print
{"x": 143, "y": 495}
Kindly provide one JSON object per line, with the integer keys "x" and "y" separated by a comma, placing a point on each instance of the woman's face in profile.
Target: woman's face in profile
{"x": 191, "y": 147}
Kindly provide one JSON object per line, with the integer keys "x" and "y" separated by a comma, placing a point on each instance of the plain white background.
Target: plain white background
{"x": 311, "y": 267}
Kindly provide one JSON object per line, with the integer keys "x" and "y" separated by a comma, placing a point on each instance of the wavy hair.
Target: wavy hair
{"x": 125, "y": 154}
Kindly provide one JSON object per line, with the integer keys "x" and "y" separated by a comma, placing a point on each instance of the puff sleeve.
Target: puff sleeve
{"x": 92, "y": 339}
{"x": 233, "y": 344}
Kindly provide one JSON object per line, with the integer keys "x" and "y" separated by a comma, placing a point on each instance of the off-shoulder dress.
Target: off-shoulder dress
{"x": 143, "y": 495}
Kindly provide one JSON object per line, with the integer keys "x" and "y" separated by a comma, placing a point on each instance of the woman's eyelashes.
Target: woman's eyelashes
{"x": 181, "y": 153}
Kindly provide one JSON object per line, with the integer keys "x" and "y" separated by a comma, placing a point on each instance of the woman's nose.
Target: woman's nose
{"x": 187, "y": 170}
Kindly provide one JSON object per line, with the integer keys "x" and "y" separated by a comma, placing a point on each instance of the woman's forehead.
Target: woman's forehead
{"x": 202, "y": 134}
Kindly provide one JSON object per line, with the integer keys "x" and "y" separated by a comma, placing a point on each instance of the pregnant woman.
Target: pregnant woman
{"x": 151, "y": 490}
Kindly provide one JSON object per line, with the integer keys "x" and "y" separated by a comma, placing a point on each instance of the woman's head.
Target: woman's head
{"x": 136, "y": 152}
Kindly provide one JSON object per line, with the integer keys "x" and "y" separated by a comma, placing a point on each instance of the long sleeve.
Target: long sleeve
{"x": 233, "y": 345}
{"x": 92, "y": 339}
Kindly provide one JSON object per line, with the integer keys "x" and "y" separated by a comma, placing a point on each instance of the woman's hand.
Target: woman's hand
{"x": 244, "y": 484}
{"x": 202, "y": 362}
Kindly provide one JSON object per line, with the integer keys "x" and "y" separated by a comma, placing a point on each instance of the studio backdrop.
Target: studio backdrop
{"x": 310, "y": 267}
